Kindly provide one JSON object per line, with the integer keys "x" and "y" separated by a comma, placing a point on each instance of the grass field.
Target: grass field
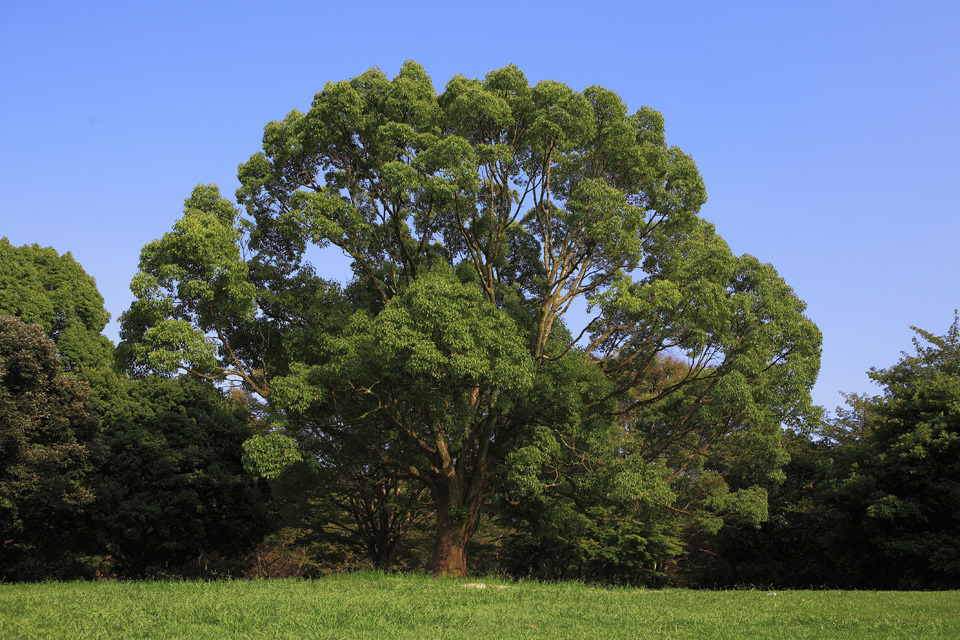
{"x": 370, "y": 605}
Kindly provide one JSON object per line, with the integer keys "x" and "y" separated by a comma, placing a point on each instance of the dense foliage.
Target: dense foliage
{"x": 99, "y": 474}
{"x": 48, "y": 444}
{"x": 873, "y": 494}
{"x": 899, "y": 493}
{"x": 173, "y": 490}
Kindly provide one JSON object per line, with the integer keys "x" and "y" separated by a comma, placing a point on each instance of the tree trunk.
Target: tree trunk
{"x": 457, "y": 520}
{"x": 450, "y": 553}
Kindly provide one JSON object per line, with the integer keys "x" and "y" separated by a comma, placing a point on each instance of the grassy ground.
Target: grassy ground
{"x": 370, "y": 605}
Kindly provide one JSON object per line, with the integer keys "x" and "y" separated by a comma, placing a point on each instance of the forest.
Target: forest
{"x": 542, "y": 363}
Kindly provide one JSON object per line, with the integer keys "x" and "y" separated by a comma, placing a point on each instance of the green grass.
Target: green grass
{"x": 369, "y": 605}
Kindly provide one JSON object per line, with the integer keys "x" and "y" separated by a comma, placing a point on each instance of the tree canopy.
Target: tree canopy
{"x": 42, "y": 287}
{"x": 479, "y": 222}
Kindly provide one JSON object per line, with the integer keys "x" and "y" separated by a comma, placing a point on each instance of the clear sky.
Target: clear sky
{"x": 826, "y": 132}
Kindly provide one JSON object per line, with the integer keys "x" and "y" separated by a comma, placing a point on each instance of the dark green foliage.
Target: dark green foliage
{"x": 899, "y": 494}
{"x": 48, "y": 446}
{"x": 560, "y": 539}
{"x": 348, "y": 515}
{"x": 788, "y": 550}
{"x": 164, "y": 485}
{"x": 51, "y": 290}
{"x": 871, "y": 497}
{"x": 173, "y": 492}
{"x": 628, "y": 503}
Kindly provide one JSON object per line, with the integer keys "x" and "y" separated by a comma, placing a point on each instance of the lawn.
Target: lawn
{"x": 370, "y": 605}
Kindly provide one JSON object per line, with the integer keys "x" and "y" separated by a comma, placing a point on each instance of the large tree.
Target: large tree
{"x": 475, "y": 221}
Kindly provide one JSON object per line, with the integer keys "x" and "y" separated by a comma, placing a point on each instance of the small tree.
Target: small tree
{"x": 355, "y": 506}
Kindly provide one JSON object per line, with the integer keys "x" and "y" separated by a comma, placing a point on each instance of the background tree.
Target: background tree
{"x": 162, "y": 486}
{"x": 699, "y": 469}
{"x": 898, "y": 493}
{"x": 327, "y": 502}
{"x": 42, "y": 287}
{"x": 475, "y": 220}
{"x": 48, "y": 446}
{"x": 789, "y": 549}
{"x": 871, "y": 496}
{"x": 173, "y": 490}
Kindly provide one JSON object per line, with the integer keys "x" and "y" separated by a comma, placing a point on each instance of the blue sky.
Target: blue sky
{"x": 826, "y": 132}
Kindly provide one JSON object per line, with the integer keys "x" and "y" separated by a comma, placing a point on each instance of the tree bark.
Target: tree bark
{"x": 450, "y": 553}
{"x": 457, "y": 519}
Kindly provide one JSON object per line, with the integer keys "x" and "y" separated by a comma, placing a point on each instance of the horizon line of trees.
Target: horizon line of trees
{"x": 436, "y": 412}
{"x": 105, "y": 476}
